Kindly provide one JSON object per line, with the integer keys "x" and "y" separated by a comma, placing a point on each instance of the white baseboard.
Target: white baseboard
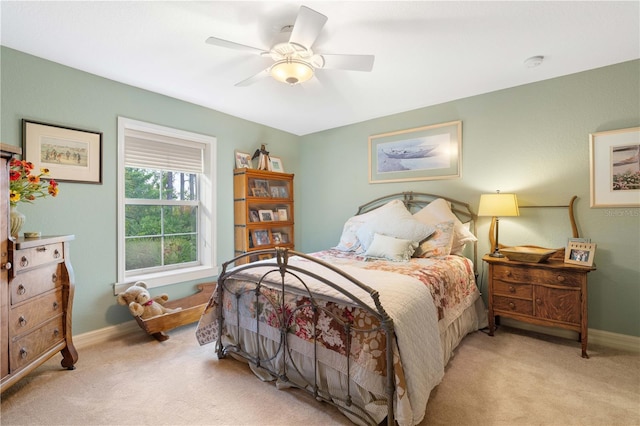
{"x": 104, "y": 334}
{"x": 598, "y": 337}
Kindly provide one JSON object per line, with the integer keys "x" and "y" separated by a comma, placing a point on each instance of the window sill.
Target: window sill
{"x": 159, "y": 279}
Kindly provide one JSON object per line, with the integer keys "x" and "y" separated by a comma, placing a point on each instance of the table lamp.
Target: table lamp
{"x": 497, "y": 205}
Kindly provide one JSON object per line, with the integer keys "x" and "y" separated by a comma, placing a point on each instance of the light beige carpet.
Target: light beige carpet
{"x": 514, "y": 378}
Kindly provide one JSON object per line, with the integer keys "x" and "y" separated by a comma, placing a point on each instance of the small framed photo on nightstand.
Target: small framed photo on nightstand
{"x": 580, "y": 253}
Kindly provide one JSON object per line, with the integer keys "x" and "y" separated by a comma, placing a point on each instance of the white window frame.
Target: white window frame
{"x": 207, "y": 266}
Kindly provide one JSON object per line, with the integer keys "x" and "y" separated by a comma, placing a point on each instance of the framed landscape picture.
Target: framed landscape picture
{"x": 71, "y": 155}
{"x": 615, "y": 168}
{"x": 422, "y": 153}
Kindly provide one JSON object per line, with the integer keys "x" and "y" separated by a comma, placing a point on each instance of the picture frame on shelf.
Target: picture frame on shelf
{"x": 284, "y": 238}
{"x": 275, "y": 192}
{"x": 260, "y": 237}
{"x": 283, "y": 214}
{"x": 70, "y": 154}
{"x": 421, "y": 153}
{"x": 259, "y": 192}
{"x": 253, "y": 216}
{"x": 283, "y": 192}
{"x": 277, "y": 237}
{"x": 615, "y": 168}
{"x": 262, "y": 184}
{"x": 580, "y": 253}
{"x": 243, "y": 160}
{"x": 276, "y": 164}
{"x": 265, "y": 215}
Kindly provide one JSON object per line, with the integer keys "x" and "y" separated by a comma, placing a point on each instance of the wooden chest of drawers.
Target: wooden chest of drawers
{"x": 36, "y": 310}
{"x": 549, "y": 294}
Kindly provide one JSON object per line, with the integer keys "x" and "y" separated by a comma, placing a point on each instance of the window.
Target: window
{"x": 166, "y": 205}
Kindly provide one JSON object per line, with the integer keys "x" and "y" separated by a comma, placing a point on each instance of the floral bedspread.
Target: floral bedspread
{"x": 405, "y": 289}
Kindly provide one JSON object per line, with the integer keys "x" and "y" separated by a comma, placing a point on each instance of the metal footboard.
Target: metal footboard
{"x": 281, "y": 363}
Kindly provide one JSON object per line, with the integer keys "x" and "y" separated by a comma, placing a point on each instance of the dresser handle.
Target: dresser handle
{"x": 560, "y": 278}
{"x": 55, "y": 306}
{"x": 22, "y": 321}
{"x": 7, "y": 266}
{"x": 21, "y": 290}
{"x": 538, "y": 302}
{"x": 56, "y": 254}
{"x": 507, "y": 273}
{"x": 24, "y": 261}
{"x": 56, "y": 332}
{"x": 54, "y": 277}
{"x": 512, "y": 289}
{"x": 23, "y": 353}
{"x": 512, "y": 305}
{"x": 43, "y": 248}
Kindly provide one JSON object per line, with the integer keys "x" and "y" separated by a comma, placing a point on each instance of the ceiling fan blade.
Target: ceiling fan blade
{"x": 254, "y": 78}
{"x": 348, "y": 62}
{"x": 232, "y": 45}
{"x": 307, "y": 27}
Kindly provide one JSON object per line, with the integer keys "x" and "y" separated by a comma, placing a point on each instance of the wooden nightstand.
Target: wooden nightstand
{"x": 552, "y": 294}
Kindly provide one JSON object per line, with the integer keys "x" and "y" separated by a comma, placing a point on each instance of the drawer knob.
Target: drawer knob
{"x": 21, "y": 290}
{"x": 23, "y": 353}
{"x": 54, "y": 277}
{"x": 41, "y": 249}
{"x": 507, "y": 273}
{"x": 538, "y": 301}
{"x": 24, "y": 262}
{"x": 22, "y": 321}
{"x": 560, "y": 278}
{"x": 55, "y": 306}
{"x": 56, "y": 254}
{"x": 56, "y": 332}
{"x": 512, "y": 305}
{"x": 512, "y": 289}
{"x": 7, "y": 266}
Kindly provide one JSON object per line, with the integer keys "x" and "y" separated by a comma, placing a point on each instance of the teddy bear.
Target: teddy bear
{"x": 141, "y": 304}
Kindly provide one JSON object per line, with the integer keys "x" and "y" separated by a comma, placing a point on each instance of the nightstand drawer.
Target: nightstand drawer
{"x": 28, "y": 348}
{"x": 508, "y": 304}
{"x": 32, "y": 283}
{"x": 524, "y": 291}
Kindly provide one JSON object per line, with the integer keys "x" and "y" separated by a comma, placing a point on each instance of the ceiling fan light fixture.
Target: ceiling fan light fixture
{"x": 291, "y": 71}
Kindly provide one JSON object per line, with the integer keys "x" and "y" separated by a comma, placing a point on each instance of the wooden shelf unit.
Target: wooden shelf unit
{"x": 258, "y": 194}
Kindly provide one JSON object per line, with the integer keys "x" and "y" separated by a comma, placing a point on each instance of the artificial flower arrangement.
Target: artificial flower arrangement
{"x": 25, "y": 186}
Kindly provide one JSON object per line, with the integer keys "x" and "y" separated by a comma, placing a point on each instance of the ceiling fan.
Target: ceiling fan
{"x": 294, "y": 61}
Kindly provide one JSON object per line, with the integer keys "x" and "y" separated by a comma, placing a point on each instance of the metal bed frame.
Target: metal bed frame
{"x": 278, "y": 268}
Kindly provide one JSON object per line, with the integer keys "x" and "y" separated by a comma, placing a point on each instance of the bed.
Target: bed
{"x": 368, "y": 325}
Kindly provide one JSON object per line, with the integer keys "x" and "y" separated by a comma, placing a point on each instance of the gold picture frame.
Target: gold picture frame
{"x": 422, "y": 153}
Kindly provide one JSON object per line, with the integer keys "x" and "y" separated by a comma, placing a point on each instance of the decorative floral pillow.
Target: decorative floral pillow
{"x": 391, "y": 248}
{"x": 349, "y": 239}
{"x": 439, "y": 211}
{"x": 439, "y": 243}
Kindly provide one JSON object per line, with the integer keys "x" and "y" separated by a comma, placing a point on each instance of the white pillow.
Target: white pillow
{"x": 349, "y": 239}
{"x": 439, "y": 243}
{"x": 391, "y": 248}
{"x": 394, "y": 222}
{"x": 439, "y": 211}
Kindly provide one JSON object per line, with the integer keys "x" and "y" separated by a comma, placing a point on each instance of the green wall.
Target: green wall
{"x": 532, "y": 140}
{"x": 41, "y": 90}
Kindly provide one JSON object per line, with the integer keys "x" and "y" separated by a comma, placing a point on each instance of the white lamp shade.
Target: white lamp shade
{"x": 498, "y": 205}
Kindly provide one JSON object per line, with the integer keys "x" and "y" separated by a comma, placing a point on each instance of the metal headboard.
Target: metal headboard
{"x": 414, "y": 201}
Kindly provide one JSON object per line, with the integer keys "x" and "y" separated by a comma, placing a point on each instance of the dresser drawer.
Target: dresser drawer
{"x": 36, "y": 311}
{"x": 27, "y": 348}
{"x": 36, "y": 256}
{"x": 520, "y": 290}
{"x": 537, "y": 276}
{"x": 32, "y": 283}
{"x": 508, "y": 304}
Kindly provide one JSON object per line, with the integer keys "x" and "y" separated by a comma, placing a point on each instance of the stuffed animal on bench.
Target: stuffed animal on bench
{"x": 141, "y": 304}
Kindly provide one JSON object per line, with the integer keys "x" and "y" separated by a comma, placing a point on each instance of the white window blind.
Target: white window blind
{"x": 153, "y": 151}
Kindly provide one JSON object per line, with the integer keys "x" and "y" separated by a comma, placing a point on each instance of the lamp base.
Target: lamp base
{"x": 496, "y": 254}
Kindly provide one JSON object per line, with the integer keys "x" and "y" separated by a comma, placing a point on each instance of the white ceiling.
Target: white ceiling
{"x": 426, "y": 52}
